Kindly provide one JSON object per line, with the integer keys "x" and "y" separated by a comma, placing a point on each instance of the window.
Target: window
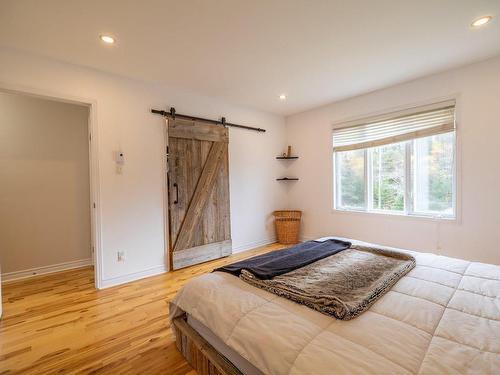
{"x": 398, "y": 164}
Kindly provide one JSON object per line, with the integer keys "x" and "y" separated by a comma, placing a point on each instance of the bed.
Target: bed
{"x": 443, "y": 317}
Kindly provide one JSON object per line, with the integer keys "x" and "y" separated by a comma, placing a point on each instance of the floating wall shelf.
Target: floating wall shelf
{"x": 287, "y": 156}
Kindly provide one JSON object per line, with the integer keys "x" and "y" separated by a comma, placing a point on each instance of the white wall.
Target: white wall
{"x": 476, "y": 235}
{"x": 44, "y": 189}
{"x": 132, "y": 204}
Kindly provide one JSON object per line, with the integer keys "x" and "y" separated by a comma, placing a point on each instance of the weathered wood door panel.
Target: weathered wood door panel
{"x": 198, "y": 185}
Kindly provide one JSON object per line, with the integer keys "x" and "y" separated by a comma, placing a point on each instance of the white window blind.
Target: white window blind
{"x": 378, "y": 132}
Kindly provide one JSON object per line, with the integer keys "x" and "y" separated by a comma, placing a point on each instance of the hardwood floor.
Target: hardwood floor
{"x": 61, "y": 324}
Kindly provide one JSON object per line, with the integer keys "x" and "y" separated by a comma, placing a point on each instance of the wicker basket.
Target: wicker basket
{"x": 287, "y": 226}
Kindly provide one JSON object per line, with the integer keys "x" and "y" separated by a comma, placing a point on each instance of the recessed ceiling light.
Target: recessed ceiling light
{"x": 481, "y": 21}
{"x": 282, "y": 97}
{"x": 107, "y": 39}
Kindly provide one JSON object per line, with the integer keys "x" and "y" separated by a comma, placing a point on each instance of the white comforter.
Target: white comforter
{"x": 442, "y": 318}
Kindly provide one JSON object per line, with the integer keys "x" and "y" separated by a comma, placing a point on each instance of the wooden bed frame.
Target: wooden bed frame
{"x": 199, "y": 353}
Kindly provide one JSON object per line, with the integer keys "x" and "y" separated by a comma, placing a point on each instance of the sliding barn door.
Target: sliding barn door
{"x": 198, "y": 192}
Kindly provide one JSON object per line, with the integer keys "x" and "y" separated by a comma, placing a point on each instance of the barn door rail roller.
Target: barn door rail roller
{"x": 222, "y": 121}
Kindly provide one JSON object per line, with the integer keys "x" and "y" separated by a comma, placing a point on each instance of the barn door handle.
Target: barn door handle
{"x": 176, "y": 193}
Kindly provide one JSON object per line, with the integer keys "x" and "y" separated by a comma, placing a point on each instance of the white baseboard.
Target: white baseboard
{"x": 253, "y": 245}
{"x": 17, "y": 275}
{"x": 132, "y": 277}
{"x": 163, "y": 268}
{"x": 24, "y": 274}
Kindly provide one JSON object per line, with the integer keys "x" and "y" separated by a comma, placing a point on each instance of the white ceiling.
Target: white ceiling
{"x": 250, "y": 51}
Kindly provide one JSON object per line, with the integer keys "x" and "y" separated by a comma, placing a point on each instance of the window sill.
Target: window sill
{"x": 396, "y": 215}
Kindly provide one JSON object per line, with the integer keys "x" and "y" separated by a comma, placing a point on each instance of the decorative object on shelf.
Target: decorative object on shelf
{"x": 287, "y": 179}
{"x": 287, "y": 155}
{"x": 287, "y": 223}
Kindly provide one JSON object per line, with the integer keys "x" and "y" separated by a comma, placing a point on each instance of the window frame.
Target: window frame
{"x": 408, "y": 212}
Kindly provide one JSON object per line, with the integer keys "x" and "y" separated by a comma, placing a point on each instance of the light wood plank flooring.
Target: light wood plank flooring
{"x": 61, "y": 324}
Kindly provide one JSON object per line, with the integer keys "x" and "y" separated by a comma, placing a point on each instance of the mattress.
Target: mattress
{"x": 443, "y": 317}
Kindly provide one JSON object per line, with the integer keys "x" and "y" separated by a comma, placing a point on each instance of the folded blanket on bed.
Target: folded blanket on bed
{"x": 342, "y": 285}
{"x": 279, "y": 262}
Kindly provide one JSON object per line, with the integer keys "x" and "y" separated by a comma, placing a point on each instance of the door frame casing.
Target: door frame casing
{"x": 94, "y": 175}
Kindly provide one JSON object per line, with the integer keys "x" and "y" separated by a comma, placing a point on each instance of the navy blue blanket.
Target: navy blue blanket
{"x": 278, "y": 262}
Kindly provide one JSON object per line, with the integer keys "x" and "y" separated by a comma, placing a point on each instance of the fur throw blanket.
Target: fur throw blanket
{"x": 342, "y": 285}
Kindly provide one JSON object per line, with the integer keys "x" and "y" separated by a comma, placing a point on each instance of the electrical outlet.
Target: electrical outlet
{"x": 121, "y": 256}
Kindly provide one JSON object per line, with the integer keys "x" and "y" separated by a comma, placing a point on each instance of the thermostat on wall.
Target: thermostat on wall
{"x": 120, "y": 161}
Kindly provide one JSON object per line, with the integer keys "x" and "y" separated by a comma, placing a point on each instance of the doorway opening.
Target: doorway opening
{"x": 47, "y": 168}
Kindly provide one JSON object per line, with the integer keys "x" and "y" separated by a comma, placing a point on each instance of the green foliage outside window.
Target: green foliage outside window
{"x": 431, "y": 178}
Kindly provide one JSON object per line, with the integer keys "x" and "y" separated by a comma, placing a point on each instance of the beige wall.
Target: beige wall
{"x": 44, "y": 183}
{"x": 475, "y": 234}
